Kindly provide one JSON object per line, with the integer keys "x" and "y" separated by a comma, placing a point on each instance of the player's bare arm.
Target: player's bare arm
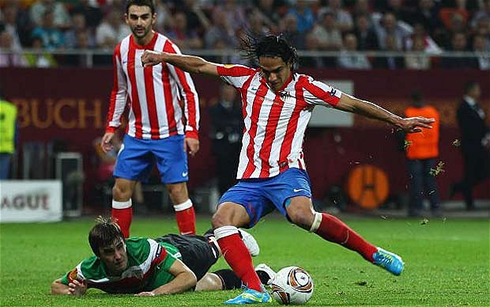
{"x": 189, "y": 63}
{"x": 362, "y": 107}
{"x": 184, "y": 280}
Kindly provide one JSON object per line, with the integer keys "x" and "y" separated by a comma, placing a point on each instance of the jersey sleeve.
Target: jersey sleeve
{"x": 188, "y": 93}
{"x": 75, "y": 274}
{"x": 319, "y": 93}
{"x": 119, "y": 94}
{"x": 235, "y": 75}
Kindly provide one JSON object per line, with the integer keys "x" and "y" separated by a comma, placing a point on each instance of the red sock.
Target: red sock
{"x": 122, "y": 212}
{"x": 186, "y": 218}
{"x": 334, "y": 230}
{"x": 238, "y": 257}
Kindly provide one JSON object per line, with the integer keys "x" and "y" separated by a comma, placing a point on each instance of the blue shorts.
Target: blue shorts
{"x": 136, "y": 158}
{"x": 261, "y": 196}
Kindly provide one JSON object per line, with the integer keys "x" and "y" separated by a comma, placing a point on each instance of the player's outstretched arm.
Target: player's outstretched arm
{"x": 362, "y": 107}
{"x": 189, "y": 63}
{"x": 184, "y": 280}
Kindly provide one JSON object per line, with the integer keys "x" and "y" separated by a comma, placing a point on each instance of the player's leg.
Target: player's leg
{"x": 122, "y": 210}
{"x": 184, "y": 210}
{"x": 300, "y": 211}
{"x": 219, "y": 280}
{"x": 225, "y": 221}
{"x": 172, "y": 165}
{"x": 133, "y": 164}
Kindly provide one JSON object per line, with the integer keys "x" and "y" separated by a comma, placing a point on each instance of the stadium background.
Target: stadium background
{"x": 63, "y": 107}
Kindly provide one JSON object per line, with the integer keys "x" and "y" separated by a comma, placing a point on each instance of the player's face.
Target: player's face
{"x": 140, "y": 20}
{"x": 114, "y": 257}
{"x": 275, "y": 71}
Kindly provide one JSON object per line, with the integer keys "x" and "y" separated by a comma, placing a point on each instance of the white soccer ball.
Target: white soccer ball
{"x": 292, "y": 286}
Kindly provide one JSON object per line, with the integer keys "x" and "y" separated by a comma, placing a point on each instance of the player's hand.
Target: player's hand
{"x": 77, "y": 288}
{"x": 191, "y": 146}
{"x": 414, "y": 124}
{"x": 105, "y": 142}
{"x": 145, "y": 294}
{"x": 151, "y": 58}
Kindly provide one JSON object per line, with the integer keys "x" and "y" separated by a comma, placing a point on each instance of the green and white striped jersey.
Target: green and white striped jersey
{"x": 148, "y": 265}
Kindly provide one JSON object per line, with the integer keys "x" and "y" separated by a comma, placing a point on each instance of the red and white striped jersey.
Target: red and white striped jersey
{"x": 154, "y": 93}
{"x": 275, "y": 122}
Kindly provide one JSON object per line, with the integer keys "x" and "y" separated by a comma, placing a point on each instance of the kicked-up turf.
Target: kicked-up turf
{"x": 447, "y": 263}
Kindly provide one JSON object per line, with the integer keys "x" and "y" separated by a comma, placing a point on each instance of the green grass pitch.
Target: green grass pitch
{"x": 447, "y": 263}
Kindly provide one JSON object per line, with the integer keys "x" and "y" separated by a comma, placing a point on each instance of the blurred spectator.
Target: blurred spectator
{"x": 447, "y": 14}
{"x": 349, "y": 57}
{"x": 482, "y": 13}
{"x": 91, "y": 13}
{"x": 60, "y": 17}
{"x": 422, "y": 150}
{"x": 180, "y": 34}
{"x": 111, "y": 30}
{"x": 361, "y": 8}
{"x": 9, "y": 24}
{"x": 288, "y": 27}
{"x": 164, "y": 18}
{"x": 483, "y": 28}
{"x": 430, "y": 45}
{"x": 196, "y": 18}
{"x": 389, "y": 26}
{"x": 475, "y": 144}
{"x": 459, "y": 43}
{"x": 271, "y": 12}
{"x": 400, "y": 11}
{"x": 82, "y": 42}
{"x": 226, "y": 133}
{"x": 41, "y": 58}
{"x": 258, "y": 27}
{"x": 15, "y": 16}
{"x": 365, "y": 34}
{"x": 78, "y": 25}
{"x": 327, "y": 33}
{"x": 479, "y": 48}
{"x": 305, "y": 19}
{"x": 342, "y": 17}
{"x": 235, "y": 14}
{"x": 220, "y": 30}
{"x": 51, "y": 37}
{"x": 8, "y": 131}
{"x": 390, "y": 61}
{"x": 427, "y": 14}
{"x": 10, "y": 56}
{"x": 417, "y": 61}
{"x": 312, "y": 44}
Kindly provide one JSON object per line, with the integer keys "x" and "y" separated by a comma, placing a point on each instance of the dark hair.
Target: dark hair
{"x": 104, "y": 233}
{"x": 269, "y": 46}
{"x": 470, "y": 85}
{"x": 141, "y": 3}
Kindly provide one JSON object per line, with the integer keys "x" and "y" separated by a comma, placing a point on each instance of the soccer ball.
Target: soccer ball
{"x": 292, "y": 286}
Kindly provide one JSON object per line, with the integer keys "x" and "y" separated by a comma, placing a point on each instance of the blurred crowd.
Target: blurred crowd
{"x": 427, "y": 27}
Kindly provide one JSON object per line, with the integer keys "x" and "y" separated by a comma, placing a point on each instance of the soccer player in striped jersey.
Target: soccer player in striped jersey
{"x": 277, "y": 105}
{"x": 146, "y": 267}
{"x": 159, "y": 130}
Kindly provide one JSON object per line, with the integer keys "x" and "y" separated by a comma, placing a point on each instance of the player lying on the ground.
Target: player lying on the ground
{"x": 146, "y": 267}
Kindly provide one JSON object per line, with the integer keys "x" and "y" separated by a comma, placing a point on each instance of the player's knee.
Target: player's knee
{"x": 219, "y": 220}
{"x": 121, "y": 193}
{"x": 301, "y": 217}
